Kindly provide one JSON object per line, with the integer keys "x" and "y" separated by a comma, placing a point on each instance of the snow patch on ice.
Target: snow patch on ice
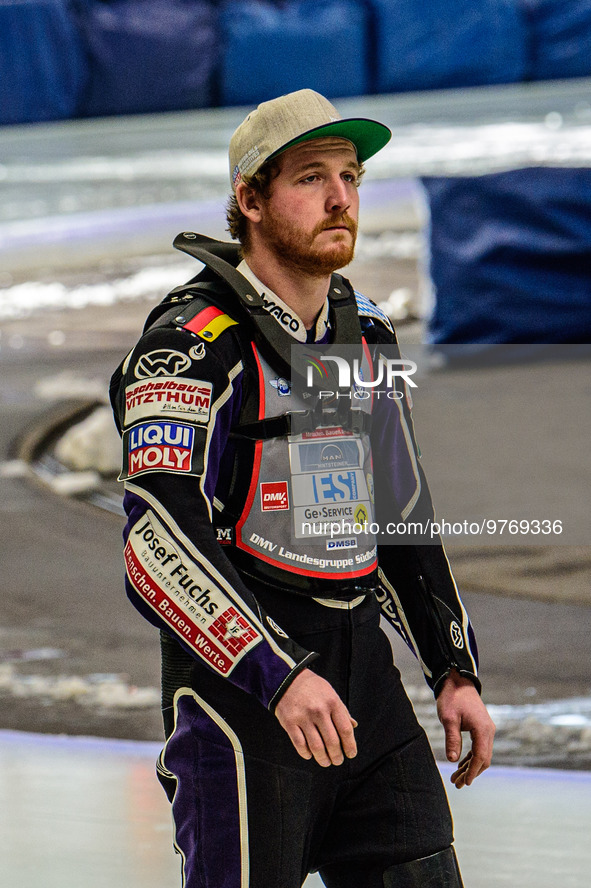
{"x": 100, "y": 690}
{"x": 573, "y": 712}
{"x": 22, "y": 300}
{"x": 91, "y": 444}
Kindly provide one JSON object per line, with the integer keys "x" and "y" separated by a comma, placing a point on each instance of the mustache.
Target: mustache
{"x": 341, "y": 220}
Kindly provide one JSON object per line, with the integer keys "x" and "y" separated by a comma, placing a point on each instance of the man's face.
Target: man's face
{"x": 310, "y": 219}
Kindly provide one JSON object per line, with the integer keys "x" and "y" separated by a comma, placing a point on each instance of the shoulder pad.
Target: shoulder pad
{"x": 369, "y": 309}
{"x": 209, "y": 323}
{"x": 197, "y": 312}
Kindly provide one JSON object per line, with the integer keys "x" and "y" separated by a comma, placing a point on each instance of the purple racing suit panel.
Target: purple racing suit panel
{"x": 202, "y": 770}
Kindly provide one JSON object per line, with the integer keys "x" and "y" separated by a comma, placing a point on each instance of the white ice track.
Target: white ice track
{"x": 90, "y": 812}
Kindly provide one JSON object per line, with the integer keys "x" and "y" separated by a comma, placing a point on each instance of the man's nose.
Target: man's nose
{"x": 337, "y": 198}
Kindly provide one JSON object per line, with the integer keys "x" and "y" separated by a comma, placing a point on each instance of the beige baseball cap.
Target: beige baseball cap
{"x": 276, "y": 125}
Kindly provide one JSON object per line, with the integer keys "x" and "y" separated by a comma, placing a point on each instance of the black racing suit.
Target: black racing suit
{"x": 214, "y": 475}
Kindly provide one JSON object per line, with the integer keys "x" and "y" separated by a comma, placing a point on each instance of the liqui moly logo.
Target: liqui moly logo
{"x": 160, "y": 445}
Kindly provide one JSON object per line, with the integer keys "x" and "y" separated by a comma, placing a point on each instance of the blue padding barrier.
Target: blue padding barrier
{"x": 272, "y": 49}
{"x": 42, "y": 65}
{"x": 560, "y": 38}
{"x": 510, "y": 255}
{"x": 153, "y": 55}
{"x": 448, "y": 43}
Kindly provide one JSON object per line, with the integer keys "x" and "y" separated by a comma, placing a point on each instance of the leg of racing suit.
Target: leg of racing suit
{"x": 250, "y": 812}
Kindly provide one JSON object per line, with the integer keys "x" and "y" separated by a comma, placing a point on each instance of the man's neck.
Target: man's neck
{"x": 305, "y": 294}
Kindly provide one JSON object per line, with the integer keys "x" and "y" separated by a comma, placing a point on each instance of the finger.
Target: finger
{"x": 296, "y": 735}
{"x": 453, "y": 741}
{"x": 468, "y": 771}
{"x": 344, "y": 725}
{"x": 331, "y": 737}
{"x": 458, "y": 778}
{"x": 482, "y": 743}
{"x": 317, "y": 746}
{"x": 476, "y": 768}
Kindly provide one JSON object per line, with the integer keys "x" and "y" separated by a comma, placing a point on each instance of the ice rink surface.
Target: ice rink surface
{"x": 87, "y": 812}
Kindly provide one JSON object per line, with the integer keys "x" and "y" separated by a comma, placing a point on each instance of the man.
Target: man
{"x": 291, "y": 744}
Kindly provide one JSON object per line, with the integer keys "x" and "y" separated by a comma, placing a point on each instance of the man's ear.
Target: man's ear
{"x": 249, "y": 201}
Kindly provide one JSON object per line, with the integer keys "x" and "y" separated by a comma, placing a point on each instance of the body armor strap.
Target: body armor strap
{"x": 275, "y": 342}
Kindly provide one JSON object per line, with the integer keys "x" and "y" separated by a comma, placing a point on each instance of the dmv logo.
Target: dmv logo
{"x": 167, "y": 446}
{"x": 274, "y": 496}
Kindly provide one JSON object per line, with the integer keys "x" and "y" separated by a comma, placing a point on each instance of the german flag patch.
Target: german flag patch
{"x": 209, "y": 323}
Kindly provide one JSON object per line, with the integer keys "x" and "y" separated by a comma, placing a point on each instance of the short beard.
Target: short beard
{"x": 296, "y": 249}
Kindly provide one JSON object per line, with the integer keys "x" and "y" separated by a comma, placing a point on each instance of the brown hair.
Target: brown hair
{"x": 261, "y": 184}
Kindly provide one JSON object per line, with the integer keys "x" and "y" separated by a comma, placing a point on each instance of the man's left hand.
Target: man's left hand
{"x": 460, "y": 708}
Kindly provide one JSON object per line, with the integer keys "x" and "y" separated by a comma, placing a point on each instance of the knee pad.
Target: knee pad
{"x": 439, "y": 870}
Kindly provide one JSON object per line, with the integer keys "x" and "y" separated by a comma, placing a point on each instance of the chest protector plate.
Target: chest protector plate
{"x": 310, "y": 505}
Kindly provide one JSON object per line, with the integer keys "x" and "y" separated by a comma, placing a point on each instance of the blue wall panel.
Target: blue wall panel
{"x": 272, "y": 49}
{"x": 560, "y": 38}
{"x": 152, "y": 55}
{"x": 448, "y": 43}
{"x": 42, "y": 65}
{"x": 510, "y": 255}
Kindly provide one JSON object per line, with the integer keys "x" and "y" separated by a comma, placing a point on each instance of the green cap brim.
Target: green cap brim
{"x": 368, "y": 136}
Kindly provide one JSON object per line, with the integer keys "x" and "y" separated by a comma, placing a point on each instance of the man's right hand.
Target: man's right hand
{"x": 317, "y": 721}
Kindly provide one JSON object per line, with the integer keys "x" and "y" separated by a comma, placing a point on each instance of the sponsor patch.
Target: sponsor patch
{"x": 175, "y": 398}
{"x": 164, "y": 446}
{"x": 225, "y": 535}
{"x": 318, "y": 455}
{"x": 282, "y": 385}
{"x": 350, "y": 543}
{"x": 233, "y": 631}
{"x": 185, "y": 598}
{"x": 333, "y": 487}
{"x": 274, "y": 496}
{"x": 335, "y": 496}
{"x": 328, "y": 432}
{"x": 362, "y": 515}
{"x": 162, "y": 362}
